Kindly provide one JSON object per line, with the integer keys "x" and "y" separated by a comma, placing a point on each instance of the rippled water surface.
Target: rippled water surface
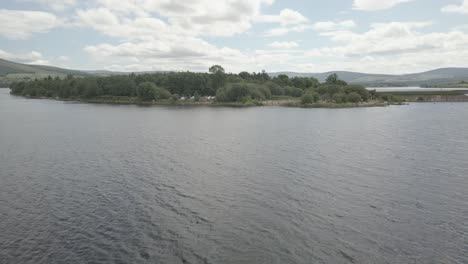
{"x": 83, "y": 183}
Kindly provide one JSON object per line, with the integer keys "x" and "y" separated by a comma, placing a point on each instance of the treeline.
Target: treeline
{"x": 174, "y": 85}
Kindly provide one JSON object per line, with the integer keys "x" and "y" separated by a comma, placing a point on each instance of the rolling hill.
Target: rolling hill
{"x": 13, "y": 71}
{"x": 434, "y": 77}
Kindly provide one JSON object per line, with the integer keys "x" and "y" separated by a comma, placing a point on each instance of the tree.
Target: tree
{"x": 245, "y": 75}
{"x": 332, "y": 78}
{"x": 282, "y": 80}
{"x": 340, "y": 98}
{"x": 354, "y": 97}
{"x": 315, "y": 95}
{"x": 218, "y": 77}
{"x": 146, "y": 91}
{"x": 216, "y": 68}
{"x": 307, "y": 99}
{"x": 293, "y": 91}
{"x": 275, "y": 89}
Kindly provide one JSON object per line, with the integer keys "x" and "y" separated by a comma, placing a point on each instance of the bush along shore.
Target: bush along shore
{"x": 215, "y": 88}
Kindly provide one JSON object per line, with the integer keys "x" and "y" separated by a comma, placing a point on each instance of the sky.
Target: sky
{"x": 373, "y": 36}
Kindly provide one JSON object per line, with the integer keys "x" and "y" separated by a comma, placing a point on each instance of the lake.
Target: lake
{"x": 85, "y": 183}
{"x": 414, "y": 89}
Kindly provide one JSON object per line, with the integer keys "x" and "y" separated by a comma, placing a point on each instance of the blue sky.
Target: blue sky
{"x": 375, "y": 36}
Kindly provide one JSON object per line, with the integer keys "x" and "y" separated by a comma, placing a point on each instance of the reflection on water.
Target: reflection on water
{"x": 83, "y": 183}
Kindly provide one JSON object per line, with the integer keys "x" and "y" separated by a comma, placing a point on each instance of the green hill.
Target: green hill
{"x": 13, "y": 72}
{"x": 429, "y": 78}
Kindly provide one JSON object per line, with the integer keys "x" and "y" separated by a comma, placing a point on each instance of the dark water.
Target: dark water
{"x": 82, "y": 183}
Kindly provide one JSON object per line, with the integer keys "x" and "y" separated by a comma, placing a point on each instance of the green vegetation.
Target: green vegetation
{"x": 216, "y": 87}
{"x": 435, "y": 78}
{"x": 462, "y": 84}
{"x": 220, "y": 88}
{"x": 15, "y": 72}
{"x": 424, "y": 96}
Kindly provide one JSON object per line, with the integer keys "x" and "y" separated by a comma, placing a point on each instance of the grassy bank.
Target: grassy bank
{"x": 427, "y": 96}
{"x": 286, "y": 102}
{"x": 335, "y": 105}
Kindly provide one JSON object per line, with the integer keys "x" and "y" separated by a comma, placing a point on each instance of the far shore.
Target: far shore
{"x": 405, "y": 97}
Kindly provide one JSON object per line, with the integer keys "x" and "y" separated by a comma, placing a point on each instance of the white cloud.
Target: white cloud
{"x": 373, "y": 5}
{"x": 396, "y": 47}
{"x": 289, "y": 20}
{"x": 331, "y": 25}
{"x": 285, "y": 17}
{"x": 100, "y": 19}
{"x": 196, "y": 17}
{"x": 30, "y": 57}
{"x": 19, "y": 24}
{"x": 58, "y": 5}
{"x": 280, "y": 31}
{"x": 168, "y": 35}
{"x": 162, "y": 35}
{"x": 383, "y": 38}
{"x": 462, "y": 8}
{"x": 284, "y": 44}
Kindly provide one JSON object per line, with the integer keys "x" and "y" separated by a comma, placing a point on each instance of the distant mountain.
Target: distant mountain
{"x": 111, "y": 73}
{"x": 13, "y": 71}
{"x": 107, "y": 73}
{"x": 434, "y": 77}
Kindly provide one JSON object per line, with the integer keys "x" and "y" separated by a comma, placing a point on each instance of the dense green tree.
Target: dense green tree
{"x": 146, "y": 91}
{"x": 339, "y": 98}
{"x": 275, "y": 89}
{"x": 218, "y": 77}
{"x": 238, "y": 92}
{"x": 332, "y": 78}
{"x": 314, "y": 95}
{"x": 353, "y": 97}
{"x": 215, "y": 69}
{"x": 282, "y": 80}
{"x": 307, "y": 98}
{"x": 293, "y": 91}
{"x": 165, "y": 85}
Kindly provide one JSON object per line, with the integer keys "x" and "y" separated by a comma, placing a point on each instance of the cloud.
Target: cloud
{"x": 461, "y": 9}
{"x": 285, "y": 17}
{"x": 289, "y": 21}
{"x": 373, "y": 5}
{"x": 32, "y": 57}
{"x": 196, "y": 17}
{"x": 382, "y": 38}
{"x": 162, "y": 35}
{"x": 280, "y": 31}
{"x": 100, "y": 19}
{"x": 283, "y": 44}
{"x": 58, "y": 5}
{"x": 395, "y": 47}
{"x": 19, "y": 24}
{"x": 331, "y": 25}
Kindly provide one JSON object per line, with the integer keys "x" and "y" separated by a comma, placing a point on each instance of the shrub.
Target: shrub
{"x": 293, "y": 91}
{"x": 275, "y": 89}
{"x": 148, "y": 91}
{"x": 310, "y": 97}
{"x": 237, "y": 92}
{"x": 340, "y": 98}
{"x": 354, "y": 97}
{"x": 361, "y": 90}
{"x": 307, "y": 99}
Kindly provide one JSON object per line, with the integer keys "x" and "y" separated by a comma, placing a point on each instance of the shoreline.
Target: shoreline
{"x": 291, "y": 102}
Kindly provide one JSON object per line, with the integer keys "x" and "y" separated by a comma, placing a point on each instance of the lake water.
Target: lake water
{"x": 84, "y": 183}
{"x": 413, "y": 89}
